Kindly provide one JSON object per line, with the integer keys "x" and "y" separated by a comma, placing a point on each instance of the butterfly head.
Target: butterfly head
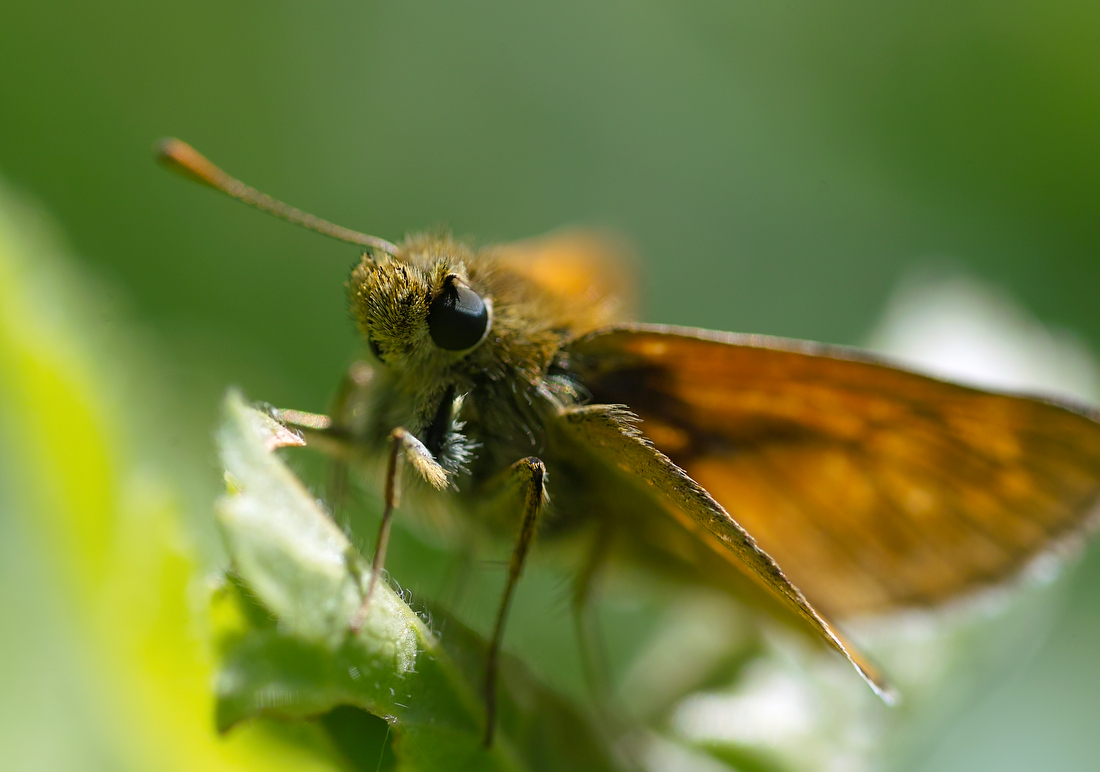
{"x": 419, "y": 306}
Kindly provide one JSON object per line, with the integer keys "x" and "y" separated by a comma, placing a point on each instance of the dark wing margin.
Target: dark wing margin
{"x": 874, "y": 488}
{"x": 609, "y": 432}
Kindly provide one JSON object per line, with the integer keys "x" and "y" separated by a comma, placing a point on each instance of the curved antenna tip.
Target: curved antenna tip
{"x": 179, "y": 157}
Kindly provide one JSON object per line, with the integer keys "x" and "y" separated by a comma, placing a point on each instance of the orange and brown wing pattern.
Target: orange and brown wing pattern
{"x": 608, "y": 433}
{"x": 873, "y": 488}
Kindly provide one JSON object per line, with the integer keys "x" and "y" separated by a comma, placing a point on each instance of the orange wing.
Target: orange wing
{"x": 583, "y": 277}
{"x": 872, "y": 487}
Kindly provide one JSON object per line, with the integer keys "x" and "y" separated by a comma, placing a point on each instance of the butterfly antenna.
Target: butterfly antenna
{"x": 183, "y": 159}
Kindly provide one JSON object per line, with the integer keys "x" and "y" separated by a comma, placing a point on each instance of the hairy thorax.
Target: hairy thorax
{"x": 476, "y": 410}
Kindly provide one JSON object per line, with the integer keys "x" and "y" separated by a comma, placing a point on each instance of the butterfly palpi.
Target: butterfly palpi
{"x": 820, "y": 481}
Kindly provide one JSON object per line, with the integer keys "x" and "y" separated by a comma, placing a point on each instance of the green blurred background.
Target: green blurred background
{"x": 778, "y": 166}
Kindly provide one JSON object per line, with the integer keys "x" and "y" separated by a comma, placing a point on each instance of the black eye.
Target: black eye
{"x": 458, "y": 317}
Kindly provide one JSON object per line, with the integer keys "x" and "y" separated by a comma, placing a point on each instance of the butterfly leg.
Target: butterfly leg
{"x": 320, "y": 432}
{"x": 338, "y": 489}
{"x": 593, "y": 660}
{"x": 531, "y": 473}
{"x": 402, "y": 445}
{"x": 352, "y": 385}
{"x": 456, "y": 579}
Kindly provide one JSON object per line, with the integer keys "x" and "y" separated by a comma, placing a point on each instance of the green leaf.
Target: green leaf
{"x": 288, "y": 651}
{"x": 105, "y": 655}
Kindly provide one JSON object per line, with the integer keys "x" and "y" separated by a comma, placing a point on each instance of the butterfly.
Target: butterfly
{"x": 816, "y": 481}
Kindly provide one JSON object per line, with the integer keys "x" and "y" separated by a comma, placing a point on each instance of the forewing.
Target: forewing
{"x": 583, "y": 275}
{"x": 873, "y": 487}
{"x": 609, "y": 432}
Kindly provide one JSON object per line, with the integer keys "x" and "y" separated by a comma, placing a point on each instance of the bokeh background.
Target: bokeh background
{"x": 779, "y": 167}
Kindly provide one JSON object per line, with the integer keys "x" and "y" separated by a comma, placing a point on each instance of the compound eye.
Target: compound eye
{"x": 458, "y": 318}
